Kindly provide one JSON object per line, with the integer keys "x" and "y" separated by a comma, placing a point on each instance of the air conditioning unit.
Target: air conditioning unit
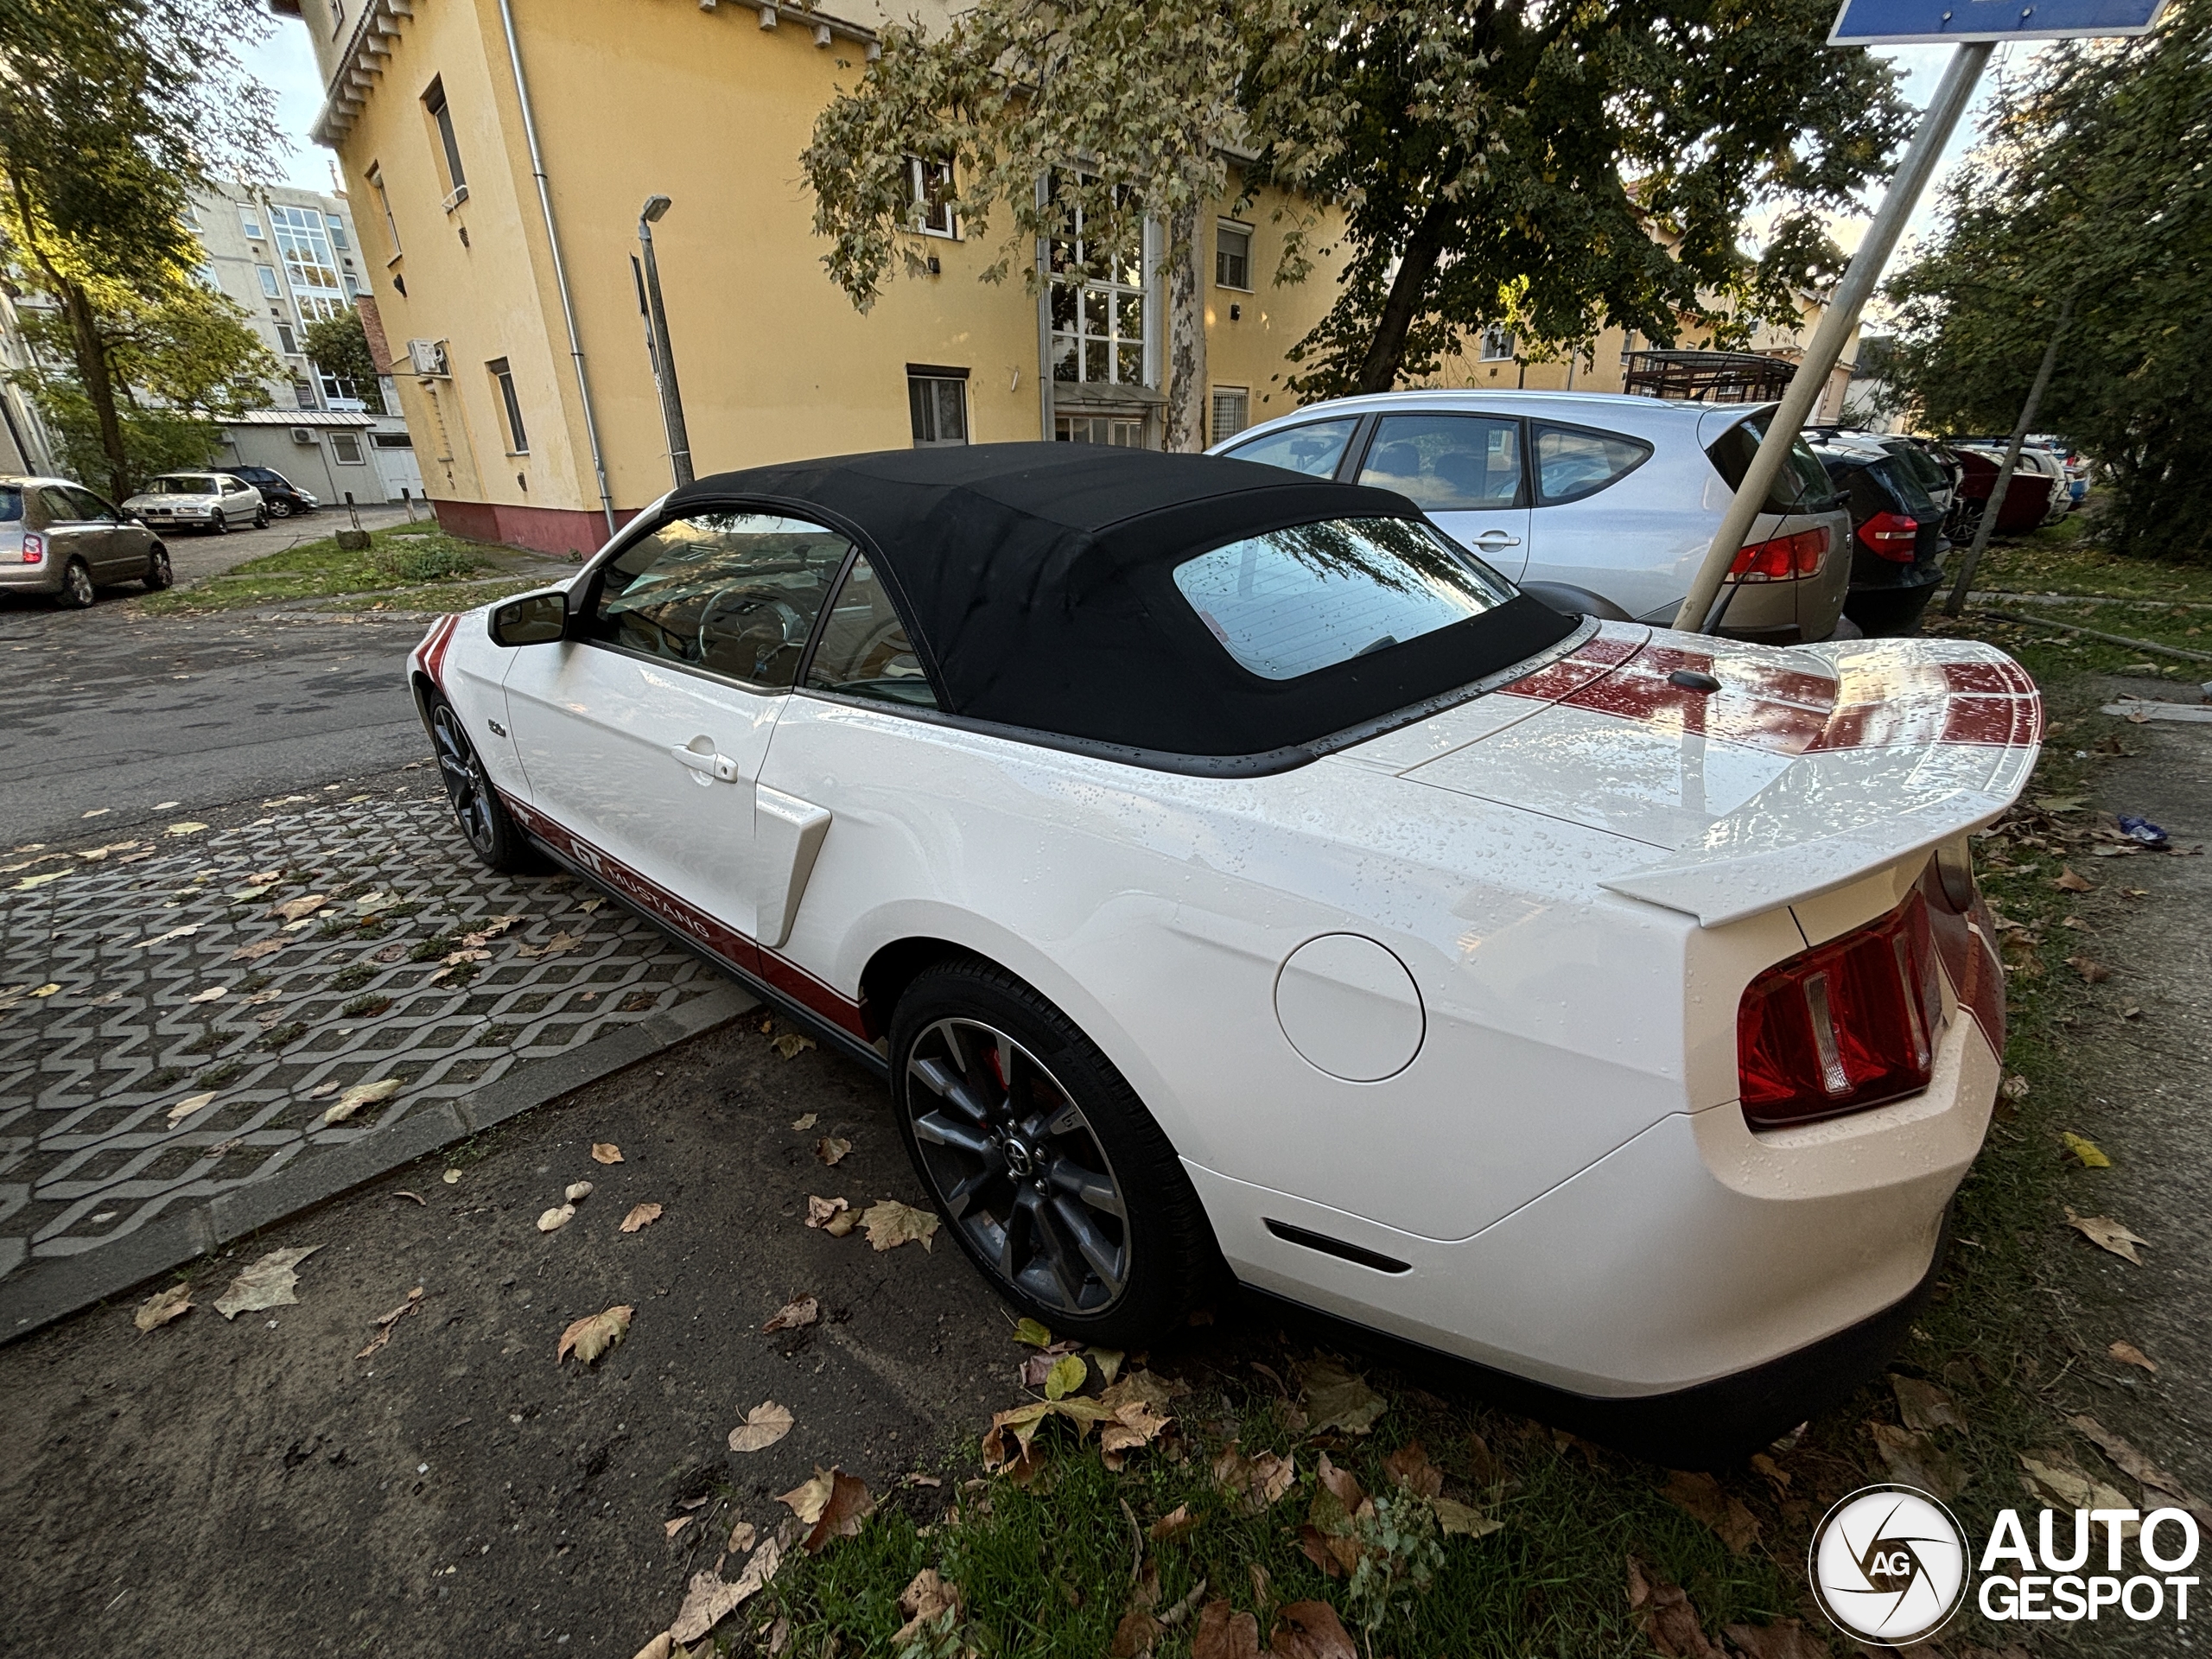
{"x": 302, "y": 435}
{"x": 428, "y": 357}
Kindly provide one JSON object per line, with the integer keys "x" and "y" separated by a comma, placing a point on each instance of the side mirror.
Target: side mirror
{"x": 533, "y": 620}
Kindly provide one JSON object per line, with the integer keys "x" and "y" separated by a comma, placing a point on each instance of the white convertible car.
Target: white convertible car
{"x": 1229, "y": 870}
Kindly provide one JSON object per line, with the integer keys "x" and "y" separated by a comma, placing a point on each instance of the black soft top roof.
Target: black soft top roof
{"x": 1036, "y": 581}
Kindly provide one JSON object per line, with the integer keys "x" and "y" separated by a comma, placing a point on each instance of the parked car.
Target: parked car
{"x": 1897, "y": 534}
{"x": 2027, "y": 498}
{"x": 278, "y": 493}
{"x": 1930, "y": 462}
{"x": 1600, "y": 505}
{"x": 60, "y": 539}
{"x": 1227, "y": 871}
{"x": 214, "y": 502}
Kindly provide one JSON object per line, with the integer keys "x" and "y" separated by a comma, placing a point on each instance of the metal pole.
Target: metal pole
{"x": 560, "y": 270}
{"x": 672, "y": 399}
{"x": 1842, "y": 317}
{"x": 1991, "y": 508}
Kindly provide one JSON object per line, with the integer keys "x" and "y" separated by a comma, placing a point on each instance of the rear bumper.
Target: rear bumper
{"x": 44, "y": 577}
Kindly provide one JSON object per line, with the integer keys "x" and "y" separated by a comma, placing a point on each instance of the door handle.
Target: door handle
{"x": 1490, "y": 540}
{"x": 709, "y": 762}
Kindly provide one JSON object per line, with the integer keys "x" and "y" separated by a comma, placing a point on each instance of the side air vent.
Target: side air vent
{"x": 1335, "y": 1247}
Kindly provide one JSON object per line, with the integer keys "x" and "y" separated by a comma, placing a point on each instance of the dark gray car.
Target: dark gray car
{"x": 59, "y": 539}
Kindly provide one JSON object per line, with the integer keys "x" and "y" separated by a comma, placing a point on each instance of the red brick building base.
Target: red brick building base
{"x": 558, "y": 531}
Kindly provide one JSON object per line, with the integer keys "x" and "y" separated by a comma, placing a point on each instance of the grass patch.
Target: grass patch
{"x": 405, "y": 567}
{"x": 2065, "y": 558}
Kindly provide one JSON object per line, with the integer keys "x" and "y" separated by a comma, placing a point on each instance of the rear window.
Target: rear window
{"x": 12, "y": 504}
{"x": 1801, "y": 486}
{"x": 1921, "y": 465}
{"x": 1292, "y": 602}
{"x": 1573, "y": 461}
{"x": 1314, "y": 449}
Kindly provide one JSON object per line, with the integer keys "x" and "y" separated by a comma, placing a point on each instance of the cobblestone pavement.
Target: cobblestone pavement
{"x": 189, "y": 1010}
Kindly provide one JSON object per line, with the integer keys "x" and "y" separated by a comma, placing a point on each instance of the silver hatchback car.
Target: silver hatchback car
{"x": 1595, "y": 504}
{"x": 59, "y": 539}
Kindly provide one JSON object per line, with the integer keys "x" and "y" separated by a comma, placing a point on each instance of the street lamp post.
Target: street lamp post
{"x": 671, "y": 400}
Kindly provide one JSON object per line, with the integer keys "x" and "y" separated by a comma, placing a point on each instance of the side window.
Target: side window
{"x": 92, "y": 509}
{"x": 1314, "y": 449}
{"x": 1447, "y": 463}
{"x": 736, "y": 593}
{"x": 865, "y": 652}
{"x": 60, "y": 509}
{"x": 1572, "y": 462}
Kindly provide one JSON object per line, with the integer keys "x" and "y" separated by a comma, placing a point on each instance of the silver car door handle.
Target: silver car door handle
{"x": 1491, "y": 539}
{"x": 713, "y": 763}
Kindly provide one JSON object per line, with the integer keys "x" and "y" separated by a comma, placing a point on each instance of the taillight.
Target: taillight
{"x": 1843, "y": 1027}
{"x": 1891, "y": 535}
{"x": 1781, "y": 559}
{"x": 34, "y": 548}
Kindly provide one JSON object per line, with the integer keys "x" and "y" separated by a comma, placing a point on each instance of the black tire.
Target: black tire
{"x": 76, "y": 593}
{"x": 280, "y": 508}
{"x": 491, "y": 834}
{"x": 219, "y": 526}
{"x": 1104, "y": 1238}
{"x": 158, "y": 574}
{"x": 261, "y": 519}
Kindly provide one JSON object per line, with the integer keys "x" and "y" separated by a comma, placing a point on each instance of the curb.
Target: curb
{"x": 53, "y": 1287}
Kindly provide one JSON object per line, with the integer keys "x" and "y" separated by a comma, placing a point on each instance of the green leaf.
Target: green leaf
{"x": 1033, "y": 1333}
{"x": 1066, "y": 1375}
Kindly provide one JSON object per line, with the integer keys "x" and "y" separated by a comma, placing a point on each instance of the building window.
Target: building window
{"x": 287, "y": 341}
{"x": 937, "y": 399}
{"x": 391, "y": 225}
{"x": 1497, "y": 344}
{"x": 337, "y": 17}
{"x": 1231, "y": 412}
{"x": 1113, "y": 429}
{"x": 503, "y": 377}
{"x": 1099, "y": 309}
{"x": 337, "y": 232}
{"x": 1232, "y": 256}
{"x": 249, "y": 222}
{"x": 309, "y": 266}
{"x": 269, "y": 288}
{"x": 435, "y": 102}
{"x": 209, "y": 277}
{"x": 931, "y": 185}
{"x": 303, "y": 391}
{"x": 346, "y": 449}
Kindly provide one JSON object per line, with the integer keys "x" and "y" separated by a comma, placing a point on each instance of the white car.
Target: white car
{"x": 1227, "y": 870}
{"x": 214, "y": 502}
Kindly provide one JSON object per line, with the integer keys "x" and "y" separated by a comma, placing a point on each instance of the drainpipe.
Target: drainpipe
{"x": 560, "y": 271}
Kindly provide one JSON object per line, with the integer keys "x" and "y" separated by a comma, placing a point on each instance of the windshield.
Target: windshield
{"x": 1802, "y": 484}
{"x": 180, "y": 484}
{"x": 1292, "y": 602}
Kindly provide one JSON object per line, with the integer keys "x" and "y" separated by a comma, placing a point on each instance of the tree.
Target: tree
{"x": 115, "y": 111}
{"x": 2089, "y": 184}
{"x": 1055, "y": 113}
{"x": 1558, "y": 169}
{"x": 339, "y": 347}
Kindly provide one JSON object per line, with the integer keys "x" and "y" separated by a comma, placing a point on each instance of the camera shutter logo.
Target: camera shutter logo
{"x": 1889, "y": 1565}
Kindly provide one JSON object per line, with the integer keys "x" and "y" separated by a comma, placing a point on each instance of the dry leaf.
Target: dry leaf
{"x": 642, "y": 1216}
{"x": 671, "y": 1527}
{"x": 2107, "y": 1234}
{"x": 1410, "y": 1470}
{"x": 891, "y": 1224}
{"x": 1311, "y": 1630}
{"x": 1259, "y": 1483}
{"x": 606, "y": 1152}
{"x": 2085, "y": 1152}
{"x": 1662, "y": 1611}
{"x": 830, "y": 1148}
{"x": 559, "y": 946}
{"x": 2093, "y": 973}
{"x": 554, "y": 1220}
{"x": 1109, "y": 1362}
{"x": 259, "y": 949}
{"x": 213, "y": 994}
{"x": 1335, "y": 1398}
{"x": 1066, "y": 1374}
{"x": 268, "y": 1283}
{"x": 578, "y": 1191}
{"x": 841, "y": 1224}
{"x": 360, "y": 1094}
{"x": 1456, "y": 1519}
{"x": 1923, "y": 1405}
{"x": 1700, "y": 1496}
{"x": 2130, "y": 1461}
{"x": 390, "y": 1322}
{"x": 2128, "y": 1354}
{"x": 840, "y": 1502}
{"x": 805, "y": 1122}
{"x": 741, "y": 1536}
{"x": 1032, "y": 1333}
{"x": 808, "y": 1499}
{"x": 1177, "y": 1522}
{"x": 2060, "y": 1483}
{"x": 1224, "y": 1633}
{"x": 820, "y": 1212}
{"x": 1786, "y": 1638}
{"x": 186, "y": 828}
{"x": 594, "y": 1333}
{"x": 793, "y": 1314}
{"x": 292, "y": 909}
{"x": 925, "y": 1600}
{"x": 1135, "y": 1636}
{"x": 2069, "y": 882}
{"x": 162, "y": 1307}
{"x": 764, "y": 1425}
{"x": 187, "y": 1106}
{"x": 1915, "y": 1460}
{"x": 790, "y": 1045}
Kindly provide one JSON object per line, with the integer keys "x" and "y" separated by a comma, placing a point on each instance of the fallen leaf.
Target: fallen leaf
{"x": 267, "y": 1283}
{"x": 1033, "y": 1333}
{"x": 554, "y": 1219}
{"x": 360, "y": 1094}
{"x": 390, "y": 1322}
{"x": 2128, "y": 1354}
{"x": 1137, "y": 1633}
{"x": 790, "y": 1045}
{"x": 924, "y": 1600}
{"x": 2107, "y": 1234}
{"x": 764, "y": 1425}
{"x": 841, "y": 1224}
{"x": 559, "y": 946}
{"x": 1410, "y": 1470}
{"x": 808, "y": 1499}
{"x": 2093, "y": 973}
{"x": 213, "y": 994}
{"x": 185, "y": 931}
{"x": 2085, "y": 1152}
{"x": 820, "y": 1212}
{"x": 2014, "y": 1088}
{"x": 594, "y": 1333}
{"x": 840, "y": 1503}
{"x": 1335, "y": 1398}
{"x": 805, "y": 1309}
{"x": 187, "y": 1106}
{"x": 1923, "y": 1405}
{"x": 1311, "y": 1630}
{"x": 606, "y": 1152}
{"x": 1456, "y": 1519}
{"x": 162, "y": 1307}
{"x": 2061, "y": 1484}
{"x": 830, "y": 1148}
{"x": 741, "y": 1536}
{"x": 1914, "y": 1460}
{"x": 1109, "y": 1362}
{"x": 578, "y": 1191}
{"x": 186, "y": 829}
{"x": 1259, "y": 1483}
{"x": 1662, "y": 1611}
{"x": 1224, "y": 1633}
{"x": 292, "y": 909}
{"x": 2128, "y": 1459}
{"x": 1700, "y": 1496}
{"x": 259, "y": 949}
{"x": 642, "y": 1216}
{"x": 30, "y": 881}
{"x": 452, "y": 1178}
{"x": 891, "y": 1224}
{"x": 1786, "y": 1638}
{"x": 1173, "y": 1525}
{"x": 805, "y": 1122}
{"x": 2067, "y": 881}
{"x": 1068, "y": 1373}
{"x": 707, "y": 1602}
{"x": 671, "y": 1527}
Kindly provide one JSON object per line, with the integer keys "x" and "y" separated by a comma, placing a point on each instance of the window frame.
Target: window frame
{"x": 270, "y": 287}
{"x": 1493, "y": 334}
{"x": 1234, "y": 228}
{"x": 513, "y": 431}
{"x": 800, "y": 681}
{"x": 930, "y": 374}
{"x": 360, "y": 455}
{"x": 1215, "y": 392}
{"x": 440, "y": 110}
{"x": 375, "y": 176}
{"x": 919, "y": 170}
{"x": 1533, "y": 426}
{"x": 249, "y": 222}
{"x": 1355, "y": 454}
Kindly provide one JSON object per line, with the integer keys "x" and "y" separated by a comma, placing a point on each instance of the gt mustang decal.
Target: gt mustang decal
{"x": 430, "y": 655}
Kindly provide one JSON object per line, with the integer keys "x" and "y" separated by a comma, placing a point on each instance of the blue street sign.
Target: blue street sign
{"x": 1899, "y": 23}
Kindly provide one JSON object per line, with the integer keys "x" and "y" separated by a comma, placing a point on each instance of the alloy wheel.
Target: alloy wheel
{"x": 220, "y": 526}
{"x": 158, "y": 574}
{"x": 77, "y": 585}
{"x": 1018, "y": 1166}
{"x": 466, "y": 785}
{"x": 280, "y": 509}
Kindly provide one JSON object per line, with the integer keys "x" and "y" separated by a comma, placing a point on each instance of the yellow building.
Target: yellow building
{"x": 498, "y": 152}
